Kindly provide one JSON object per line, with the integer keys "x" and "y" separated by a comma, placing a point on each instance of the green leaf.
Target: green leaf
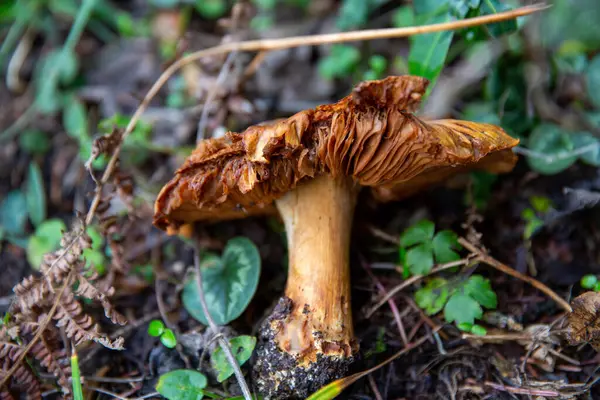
{"x": 228, "y": 283}
{"x": 419, "y": 232}
{"x": 46, "y": 239}
{"x": 182, "y": 384}
{"x": 478, "y": 330}
{"x": 13, "y": 213}
{"x": 403, "y": 16}
{"x": 592, "y": 80}
{"x": 75, "y": 119}
{"x": 588, "y": 281}
{"x": 551, "y": 140}
{"x": 444, "y": 244}
{"x": 342, "y": 61}
{"x": 352, "y": 14}
{"x": 241, "y": 347}
{"x": 378, "y": 64}
{"x": 34, "y": 141}
{"x": 420, "y": 259}
{"x": 481, "y": 112}
{"x": 156, "y": 328}
{"x": 432, "y": 298}
{"x": 164, "y": 3}
{"x": 460, "y": 8}
{"x": 66, "y": 7}
{"x": 462, "y": 308}
{"x": 541, "y": 204}
{"x": 481, "y": 290}
{"x": 76, "y": 377}
{"x": 57, "y": 67}
{"x": 211, "y": 9}
{"x": 96, "y": 236}
{"x": 499, "y": 28}
{"x": 465, "y": 326}
{"x": 428, "y": 51}
{"x": 597, "y": 287}
{"x": 423, "y": 7}
{"x": 532, "y": 225}
{"x": 35, "y": 195}
{"x": 168, "y": 339}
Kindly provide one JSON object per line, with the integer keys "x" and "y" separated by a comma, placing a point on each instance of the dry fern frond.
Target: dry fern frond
{"x": 105, "y": 144}
{"x": 30, "y": 292}
{"x": 56, "y": 362}
{"x": 80, "y": 326}
{"x": 57, "y": 265}
{"x": 10, "y": 350}
{"x": 89, "y": 291}
{"x": 22, "y": 377}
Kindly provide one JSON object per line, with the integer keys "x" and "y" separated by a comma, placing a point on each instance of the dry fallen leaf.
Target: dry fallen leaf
{"x": 583, "y": 324}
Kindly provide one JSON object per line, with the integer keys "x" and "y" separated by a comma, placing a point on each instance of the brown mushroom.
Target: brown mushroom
{"x": 311, "y": 166}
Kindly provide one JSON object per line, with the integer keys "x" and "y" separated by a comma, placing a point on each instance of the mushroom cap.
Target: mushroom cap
{"x": 370, "y": 136}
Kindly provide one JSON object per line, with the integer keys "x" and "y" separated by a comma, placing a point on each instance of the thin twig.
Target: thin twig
{"x": 517, "y": 390}
{"x": 492, "y": 262}
{"x": 413, "y": 279}
{"x": 223, "y": 342}
{"x": 106, "y": 392}
{"x": 211, "y": 95}
{"x": 374, "y": 388}
{"x": 39, "y": 332}
{"x": 391, "y": 302}
{"x": 296, "y": 41}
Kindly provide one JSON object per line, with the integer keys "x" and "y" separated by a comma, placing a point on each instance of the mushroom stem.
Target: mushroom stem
{"x": 312, "y": 326}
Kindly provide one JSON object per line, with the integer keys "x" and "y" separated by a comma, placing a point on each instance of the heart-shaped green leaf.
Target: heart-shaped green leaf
{"x": 182, "y": 384}
{"x": 229, "y": 283}
{"x": 550, "y": 140}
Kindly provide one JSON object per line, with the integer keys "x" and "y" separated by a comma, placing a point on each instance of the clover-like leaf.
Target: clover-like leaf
{"x": 241, "y": 347}
{"x": 462, "y": 308}
{"x": 432, "y": 298}
{"x": 480, "y": 289}
{"x": 229, "y": 282}
{"x": 420, "y": 258}
{"x": 444, "y": 243}
{"x": 182, "y": 384}
{"x": 420, "y": 232}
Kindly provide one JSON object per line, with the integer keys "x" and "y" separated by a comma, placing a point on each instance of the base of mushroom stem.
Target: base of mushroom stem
{"x": 280, "y": 375}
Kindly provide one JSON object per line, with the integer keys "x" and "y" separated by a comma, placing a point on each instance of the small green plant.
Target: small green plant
{"x": 229, "y": 282}
{"x": 420, "y": 248}
{"x": 241, "y": 347}
{"x": 462, "y": 303}
{"x": 533, "y": 215}
{"x": 590, "y": 282}
{"x": 182, "y": 384}
{"x": 156, "y": 328}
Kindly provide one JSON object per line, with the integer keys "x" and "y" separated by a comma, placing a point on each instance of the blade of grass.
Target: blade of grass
{"x": 76, "y": 375}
